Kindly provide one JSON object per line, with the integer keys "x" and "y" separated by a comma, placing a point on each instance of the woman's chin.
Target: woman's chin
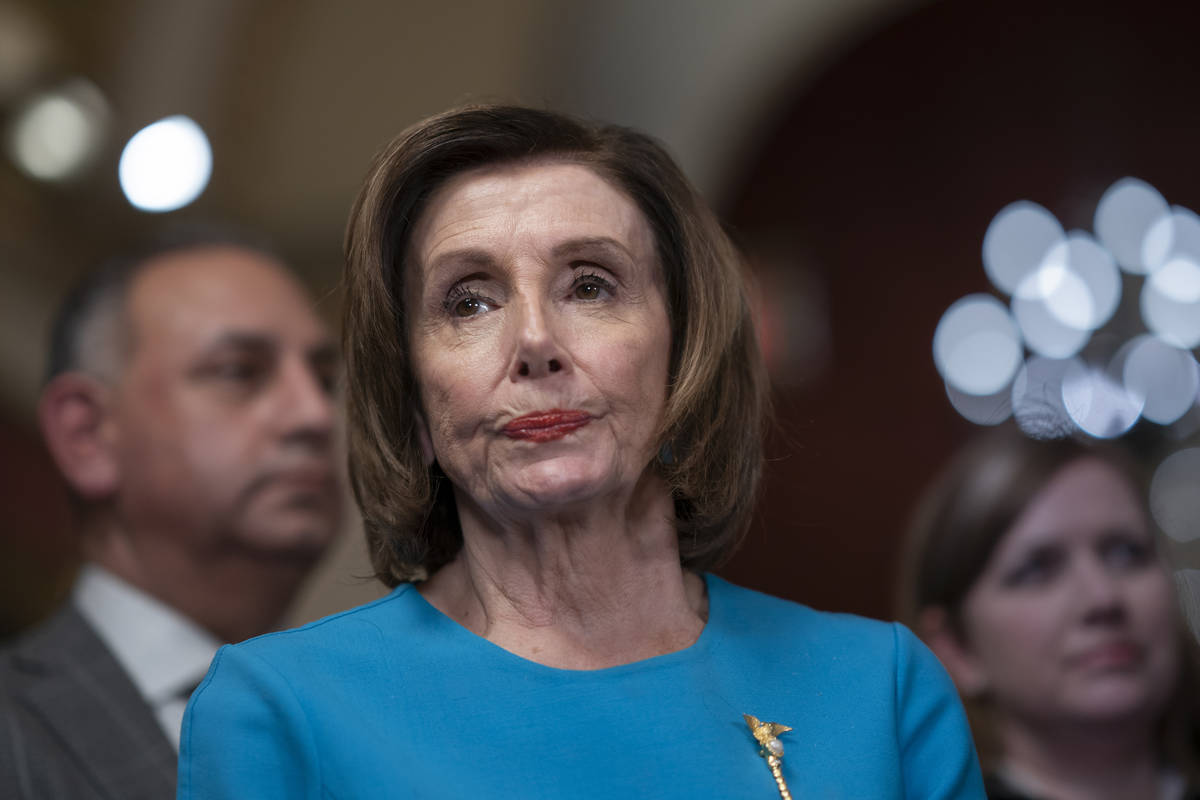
{"x": 557, "y": 484}
{"x": 1124, "y": 701}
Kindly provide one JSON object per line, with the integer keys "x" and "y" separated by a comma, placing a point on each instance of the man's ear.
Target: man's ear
{"x": 948, "y": 644}
{"x": 73, "y": 413}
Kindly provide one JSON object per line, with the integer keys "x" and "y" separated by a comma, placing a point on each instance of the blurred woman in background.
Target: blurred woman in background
{"x": 1033, "y": 573}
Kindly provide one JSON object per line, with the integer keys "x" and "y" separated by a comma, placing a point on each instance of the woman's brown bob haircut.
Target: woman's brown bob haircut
{"x": 711, "y": 433}
{"x": 967, "y": 511}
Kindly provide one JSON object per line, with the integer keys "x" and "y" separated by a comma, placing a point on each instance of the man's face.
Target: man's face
{"x": 223, "y": 420}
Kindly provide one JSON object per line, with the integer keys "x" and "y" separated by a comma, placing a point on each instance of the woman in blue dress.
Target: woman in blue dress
{"x": 556, "y": 404}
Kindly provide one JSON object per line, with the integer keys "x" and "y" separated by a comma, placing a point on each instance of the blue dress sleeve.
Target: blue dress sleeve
{"x": 245, "y": 734}
{"x": 937, "y": 751}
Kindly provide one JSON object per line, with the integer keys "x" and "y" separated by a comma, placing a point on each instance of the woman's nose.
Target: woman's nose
{"x": 537, "y": 349}
{"x": 1101, "y": 592}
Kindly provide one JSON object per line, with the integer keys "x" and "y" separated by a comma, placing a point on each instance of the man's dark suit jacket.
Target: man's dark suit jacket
{"x": 72, "y": 724}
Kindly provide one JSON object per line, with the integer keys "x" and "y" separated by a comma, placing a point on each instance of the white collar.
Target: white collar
{"x": 164, "y": 652}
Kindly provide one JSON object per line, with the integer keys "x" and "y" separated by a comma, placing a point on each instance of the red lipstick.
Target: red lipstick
{"x": 546, "y": 426}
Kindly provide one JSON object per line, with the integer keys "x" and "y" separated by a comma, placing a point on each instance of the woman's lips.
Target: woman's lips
{"x": 545, "y": 426}
{"x": 1118, "y": 655}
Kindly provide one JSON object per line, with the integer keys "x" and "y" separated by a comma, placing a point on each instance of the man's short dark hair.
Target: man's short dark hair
{"x": 99, "y": 298}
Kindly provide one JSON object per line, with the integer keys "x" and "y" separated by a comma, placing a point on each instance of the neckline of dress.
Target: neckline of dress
{"x": 712, "y": 586}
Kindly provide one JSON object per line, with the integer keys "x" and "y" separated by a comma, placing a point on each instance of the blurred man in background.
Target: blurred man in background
{"x": 189, "y": 408}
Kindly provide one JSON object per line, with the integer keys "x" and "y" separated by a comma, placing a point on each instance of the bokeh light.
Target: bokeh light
{"x": 58, "y": 133}
{"x": 990, "y": 409}
{"x": 1098, "y": 402}
{"x": 1174, "y": 500}
{"x": 1165, "y": 377}
{"x": 165, "y": 165}
{"x": 1174, "y": 236}
{"x": 1017, "y": 242}
{"x": 976, "y": 346}
{"x": 1170, "y": 303}
{"x": 1065, "y": 289}
{"x": 1126, "y": 213}
{"x": 1043, "y": 330}
{"x": 1037, "y": 397}
{"x": 1088, "y": 262}
{"x": 1187, "y": 584}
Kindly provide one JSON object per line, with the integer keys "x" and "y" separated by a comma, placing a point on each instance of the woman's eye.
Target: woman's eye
{"x": 588, "y": 291}
{"x": 1123, "y": 553}
{"x": 591, "y": 287}
{"x": 1039, "y": 568}
{"x": 239, "y": 371}
{"x": 468, "y": 307}
{"x": 463, "y": 302}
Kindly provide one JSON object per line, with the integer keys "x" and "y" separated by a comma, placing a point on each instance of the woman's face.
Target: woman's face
{"x": 539, "y": 336}
{"x": 1073, "y": 619}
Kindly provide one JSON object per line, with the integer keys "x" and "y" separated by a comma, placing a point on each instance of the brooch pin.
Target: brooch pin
{"x": 767, "y": 735}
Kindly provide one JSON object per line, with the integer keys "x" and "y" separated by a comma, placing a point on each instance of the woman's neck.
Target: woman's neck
{"x": 588, "y": 589}
{"x": 1089, "y": 762}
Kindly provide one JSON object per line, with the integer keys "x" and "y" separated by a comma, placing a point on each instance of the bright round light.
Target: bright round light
{"x": 166, "y": 165}
{"x": 1174, "y": 500}
{"x": 1016, "y": 243}
{"x": 989, "y": 409}
{"x": 1174, "y": 236}
{"x": 1170, "y": 303}
{"x": 1097, "y": 403}
{"x": 1187, "y": 585}
{"x": 1165, "y": 377}
{"x": 60, "y": 132}
{"x": 1089, "y": 262}
{"x": 1040, "y": 318}
{"x": 976, "y": 346}
{"x": 1125, "y": 214}
{"x": 1037, "y": 399}
{"x": 1178, "y": 280}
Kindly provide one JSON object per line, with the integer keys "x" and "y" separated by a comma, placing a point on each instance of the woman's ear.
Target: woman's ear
{"x": 949, "y": 645}
{"x": 73, "y": 413}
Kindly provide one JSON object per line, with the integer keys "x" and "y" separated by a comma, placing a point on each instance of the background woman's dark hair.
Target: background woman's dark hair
{"x": 716, "y": 401}
{"x": 961, "y": 519}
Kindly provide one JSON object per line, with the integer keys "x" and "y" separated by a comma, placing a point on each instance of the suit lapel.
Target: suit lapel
{"x": 72, "y": 681}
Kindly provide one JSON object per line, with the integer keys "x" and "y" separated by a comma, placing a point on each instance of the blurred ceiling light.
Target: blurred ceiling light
{"x": 1016, "y": 243}
{"x": 1099, "y": 404}
{"x": 1037, "y": 397}
{"x": 1165, "y": 377}
{"x": 1173, "y": 236}
{"x": 1170, "y": 303}
{"x": 165, "y": 165}
{"x": 1064, "y": 289}
{"x": 1187, "y": 584}
{"x": 991, "y": 409}
{"x": 58, "y": 133}
{"x": 1174, "y": 501}
{"x": 26, "y": 48}
{"x": 1093, "y": 266}
{"x": 1125, "y": 215}
{"x": 1179, "y": 280}
{"x": 1040, "y": 318}
{"x": 976, "y": 346}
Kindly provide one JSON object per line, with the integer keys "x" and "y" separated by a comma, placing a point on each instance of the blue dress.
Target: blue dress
{"x": 394, "y": 699}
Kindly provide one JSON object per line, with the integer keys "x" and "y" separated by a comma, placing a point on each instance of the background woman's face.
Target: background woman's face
{"x": 1073, "y": 618}
{"x": 539, "y": 335}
